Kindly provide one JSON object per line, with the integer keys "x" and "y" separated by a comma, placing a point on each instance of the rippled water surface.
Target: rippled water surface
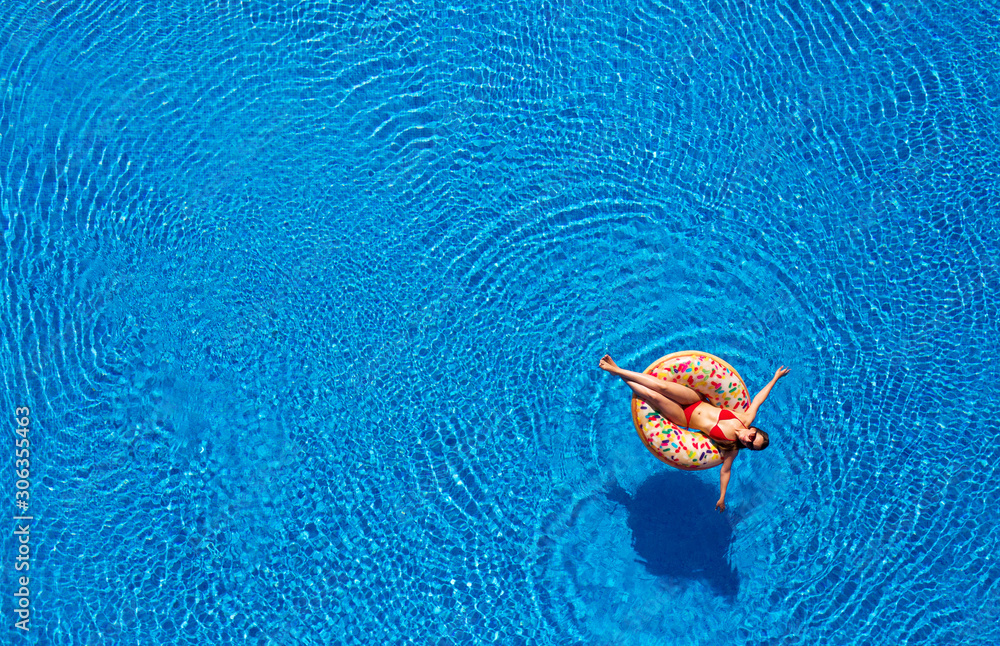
{"x": 307, "y": 299}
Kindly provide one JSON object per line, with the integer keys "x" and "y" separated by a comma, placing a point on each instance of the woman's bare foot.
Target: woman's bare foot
{"x": 607, "y": 363}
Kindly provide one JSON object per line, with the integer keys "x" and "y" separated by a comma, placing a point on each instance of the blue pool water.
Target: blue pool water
{"x": 306, "y": 301}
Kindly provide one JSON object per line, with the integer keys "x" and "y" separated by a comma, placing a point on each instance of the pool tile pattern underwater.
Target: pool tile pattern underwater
{"x": 306, "y": 300}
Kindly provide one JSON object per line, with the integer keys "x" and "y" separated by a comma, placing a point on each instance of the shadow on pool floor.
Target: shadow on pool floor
{"x": 677, "y": 532}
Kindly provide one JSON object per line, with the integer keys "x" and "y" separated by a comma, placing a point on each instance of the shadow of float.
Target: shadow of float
{"x": 677, "y": 532}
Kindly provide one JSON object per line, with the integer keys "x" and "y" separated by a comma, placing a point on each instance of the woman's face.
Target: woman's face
{"x": 750, "y": 438}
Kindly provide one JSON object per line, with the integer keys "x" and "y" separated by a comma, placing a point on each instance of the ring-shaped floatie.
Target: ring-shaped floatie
{"x": 714, "y": 379}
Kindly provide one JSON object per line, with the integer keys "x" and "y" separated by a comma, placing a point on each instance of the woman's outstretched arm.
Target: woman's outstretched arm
{"x": 764, "y": 392}
{"x": 727, "y": 466}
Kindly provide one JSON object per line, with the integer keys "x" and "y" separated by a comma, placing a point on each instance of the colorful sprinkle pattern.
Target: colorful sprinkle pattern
{"x": 675, "y": 445}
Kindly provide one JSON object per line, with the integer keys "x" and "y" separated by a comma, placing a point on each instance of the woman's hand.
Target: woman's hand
{"x": 721, "y": 505}
{"x": 781, "y": 372}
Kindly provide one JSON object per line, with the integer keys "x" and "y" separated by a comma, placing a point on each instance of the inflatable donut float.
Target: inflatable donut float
{"x": 717, "y": 382}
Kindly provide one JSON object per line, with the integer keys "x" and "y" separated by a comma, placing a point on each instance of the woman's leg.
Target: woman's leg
{"x": 678, "y": 393}
{"x": 662, "y": 405}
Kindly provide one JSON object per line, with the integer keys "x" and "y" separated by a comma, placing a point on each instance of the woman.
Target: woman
{"x": 728, "y": 430}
